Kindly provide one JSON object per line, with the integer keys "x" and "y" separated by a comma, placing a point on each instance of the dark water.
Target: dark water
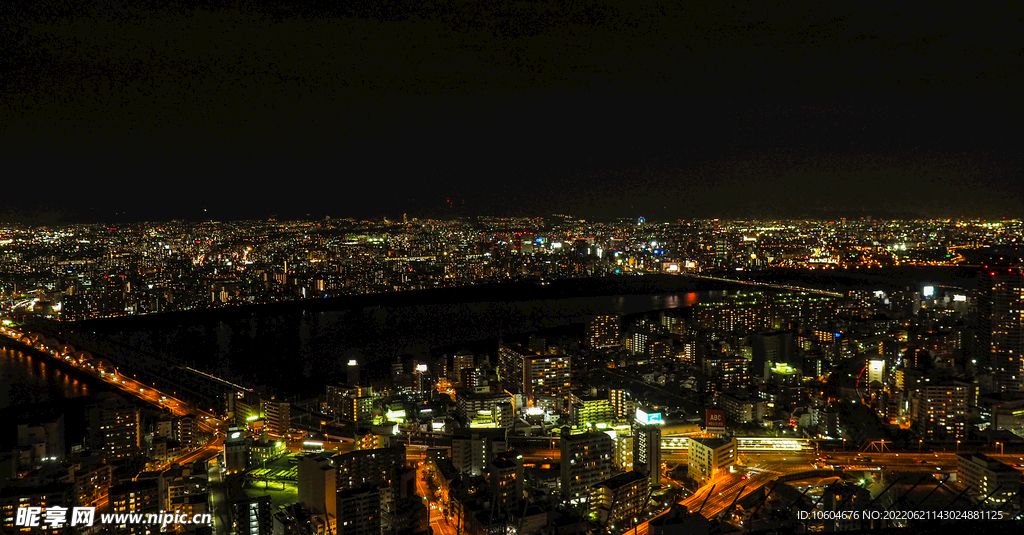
{"x": 26, "y": 379}
{"x": 301, "y": 350}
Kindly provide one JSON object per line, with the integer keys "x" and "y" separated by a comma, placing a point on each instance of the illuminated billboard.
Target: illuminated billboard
{"x": 714, "y": 420}
{"x": 648, "y": 418}
{"x": 928, "y": 291}
{"x": 959, "y": 298}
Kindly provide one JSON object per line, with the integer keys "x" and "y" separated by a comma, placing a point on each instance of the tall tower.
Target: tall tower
{"x": 353, "y": 372}
{"x": 1001, "y": 326}
{"x": 647, "y": 445}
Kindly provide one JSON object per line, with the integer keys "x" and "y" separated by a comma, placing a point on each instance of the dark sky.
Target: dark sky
{"x": 116, "y": 110}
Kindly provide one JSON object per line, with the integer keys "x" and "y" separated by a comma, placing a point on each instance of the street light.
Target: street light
{"x": 1000, "y": 447}
{"x": 958, "y": 445}
{"x": 920, "y": 442}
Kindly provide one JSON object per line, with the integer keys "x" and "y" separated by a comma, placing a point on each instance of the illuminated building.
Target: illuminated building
{"x": 647, "y": 445}
{"x": 185, "y": 430}
{"x": 473, "y": 450}
{"x": 278, "y": 416}
{"x": 588, "y": 410}
{"x": 463, "y": 362}
{"x": 469, "y": 404}
{"x": 377, "y": 467}
{"x": 586, "y": 460}
{"x": 534, "y": 374}
{"x": 619, "y": 498}
{"x": 92, "y": 478}
{"x": 740, "y": 411}
{"x": 252, "y": 516}
{"x": 114, "y": 428}
{"x": 352, "y": 372}
{"x": 505, "y": 474}
{"x": 236, "y": 451}
{"x": 184, "y": 488}
{"x": 354, "y": 404}
{"x": 984, "y": 475}
{"x": 139, "y": 497}
{"x": 939, "y": 409}
{"x": 622, "y": 440}
{"x": 622, "y": 402}
{"x": 638, "y": 345}
{"x": 360, "y": 511}
{"x": 723, "y": 373}
{"x": 14, "y": 496}
{"x": 708, "y": 457}
{"x": 603, "y": 331}
{"x": 1000, "y": 332}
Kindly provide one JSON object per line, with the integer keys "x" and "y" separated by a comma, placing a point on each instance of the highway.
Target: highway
{"x": 762, "y": 468}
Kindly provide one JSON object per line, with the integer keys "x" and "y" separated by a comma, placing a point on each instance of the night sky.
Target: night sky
{"x": 118, "y": 111}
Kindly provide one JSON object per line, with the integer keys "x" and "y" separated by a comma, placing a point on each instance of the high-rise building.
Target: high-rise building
{"x": 462, "y": 363}
{"x": 723, "y": 373}
{"x": 252, "y": 516}
{"x": 505, "y": 474}
{"x": 587, "y": 409}
{"x": 602, "y": 331}
{"x": 378, "y": 467}
{"x": 639, "y": 342}
{"x": 318, "y": 482}
{"x": 619, "y": 498}
{"x": 647, "y": 450}
{"x": 623, "y": 406}
{"x": 114, "y": 427}
{"x": 534, "y": 374}
{"x": 139, "y": 497}
{"x": 940, "y": 409}
{"x": 185, "y": 430}
{"x": 622, "y": 439}
{"x": 474, "y": 449}
{"x": 236, "y": 451}
{"x": 1000, "y": 331}
{"x": 16, "y": 496}
{"x": 278, "y": 416}
{"x": 586, "y": 460}
{"x": 360, "y": 511}
{"x": 184, "y": 488}
{"x": 354, "y": 404}
{"x": 352, "y": 372}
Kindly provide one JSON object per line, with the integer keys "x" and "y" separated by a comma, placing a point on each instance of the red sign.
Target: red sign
{"x": 714, "y": 419}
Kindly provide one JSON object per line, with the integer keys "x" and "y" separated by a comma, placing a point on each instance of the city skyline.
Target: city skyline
{"x": 471, "y": 267}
